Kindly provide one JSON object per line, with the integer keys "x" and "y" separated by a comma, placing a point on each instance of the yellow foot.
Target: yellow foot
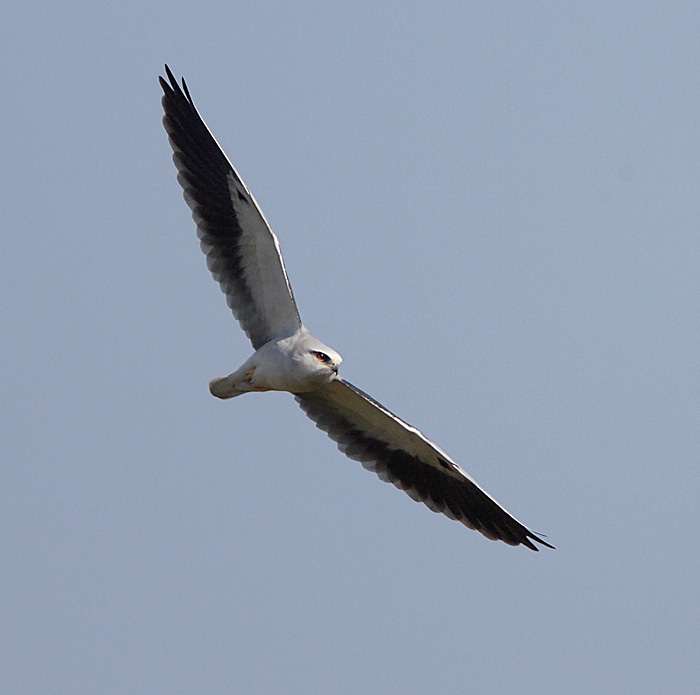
{"x": 249, "y": 374}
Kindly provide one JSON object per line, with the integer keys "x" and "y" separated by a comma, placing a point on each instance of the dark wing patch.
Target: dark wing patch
{"x": 233, "y": 251}
{"x": 398, "y": 453}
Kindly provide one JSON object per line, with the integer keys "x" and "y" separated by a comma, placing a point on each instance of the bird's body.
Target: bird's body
{"x": 296, "y": 363}
{"x": 244, "y": 257}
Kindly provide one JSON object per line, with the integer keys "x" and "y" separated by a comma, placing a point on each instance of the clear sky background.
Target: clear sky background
{"x": 491, "y": 210}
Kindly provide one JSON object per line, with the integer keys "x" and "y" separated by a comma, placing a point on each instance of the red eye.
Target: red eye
{"x": 321, "y": 356}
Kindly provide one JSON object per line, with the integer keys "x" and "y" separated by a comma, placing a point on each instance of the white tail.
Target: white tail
{"x": 224, "y": 388}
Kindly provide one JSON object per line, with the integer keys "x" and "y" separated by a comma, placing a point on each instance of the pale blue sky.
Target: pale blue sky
{"x": 491, "y": 211}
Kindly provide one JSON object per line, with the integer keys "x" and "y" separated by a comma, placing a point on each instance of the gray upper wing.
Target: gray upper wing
{"x": 242, "y": 251}
{"x": 400, "y": 454}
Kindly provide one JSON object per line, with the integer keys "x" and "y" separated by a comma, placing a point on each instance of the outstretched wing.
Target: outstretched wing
{"x": 242, "y": 251}
{"x": 400, "y": 454}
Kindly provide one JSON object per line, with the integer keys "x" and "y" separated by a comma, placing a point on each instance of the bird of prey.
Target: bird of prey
{"x": 244, "y": 257}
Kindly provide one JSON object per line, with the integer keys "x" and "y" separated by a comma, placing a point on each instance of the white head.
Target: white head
{"x": 317, "y": 362}
{"x": 327, "y": 357}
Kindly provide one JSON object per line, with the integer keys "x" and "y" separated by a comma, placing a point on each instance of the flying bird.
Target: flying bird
{"x": 244, "y": 257}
